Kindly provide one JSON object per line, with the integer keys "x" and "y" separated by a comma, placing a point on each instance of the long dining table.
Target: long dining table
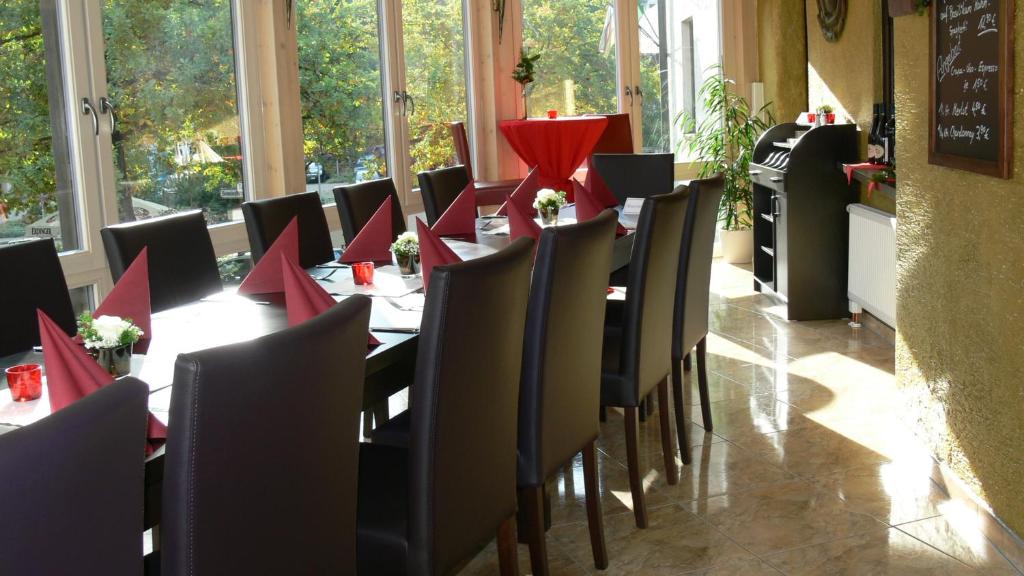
{"x": 228, "y": 318}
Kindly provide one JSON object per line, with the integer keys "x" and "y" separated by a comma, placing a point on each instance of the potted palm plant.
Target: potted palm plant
{"x": 723, "y": 142}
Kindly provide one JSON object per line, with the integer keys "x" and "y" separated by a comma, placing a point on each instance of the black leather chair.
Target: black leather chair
{"x": 488, "y": 192}
{"x": 560, "y": 390}
{"x": 182, "y": 263}
{"x": 358, "y": 202}
{"x": 636, "y": 175}
{"x": 430, "y": 507}
{"x": 637, "y": 349}
{"x": 73, "y": 484}
{"x": 690, "y": 319}
{"x": 260, "y": 472}
{"x": 266, "y": 219}
{"x": 439, "y": 189}
{"x": 33, "y": 279}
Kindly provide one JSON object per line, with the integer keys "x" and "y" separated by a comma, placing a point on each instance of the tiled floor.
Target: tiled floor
{"x": 808, "y": 471}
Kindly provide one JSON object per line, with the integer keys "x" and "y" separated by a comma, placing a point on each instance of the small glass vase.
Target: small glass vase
{"x": 406, "y": 264}
{"x": 116, "y": 361}
{"x": 549, "y": 215}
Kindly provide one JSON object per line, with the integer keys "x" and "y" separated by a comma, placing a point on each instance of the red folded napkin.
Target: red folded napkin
{"x": 460, "y": 218}
{"x": 130, "y": 296}
{"x": 265, "y": 277}
{"x": 72, "y": 374}
{"x": 849, "y": 168}
{"x": 304, "y": 298}
{"x": 433, "y": 251}
{"x": 373, "y": 243}
{"x": 524, "y": 194}
{"x": 598, "y": 189}
{"x": 587, "y": 207}
{"x": 520, "y": 224}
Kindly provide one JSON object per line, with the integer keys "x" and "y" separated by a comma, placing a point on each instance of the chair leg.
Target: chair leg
{"x": 702, "y": 382}
{"x": 686, "y": 362}
{"x": 650, "y": 404}
{"x": 602, "y": 414}
{"x": 668, "y": 451}
{"x": 508, "y": 559}
{"x": 594, "y": 518}
{"x": 642, "y": 410}
{"x": 677, "y": 403}
{"x": 636, "y": 485}
{"x": 531, "y": 501}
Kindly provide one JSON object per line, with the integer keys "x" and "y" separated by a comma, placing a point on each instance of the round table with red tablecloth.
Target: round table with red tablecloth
{"x": 556, "y": 147}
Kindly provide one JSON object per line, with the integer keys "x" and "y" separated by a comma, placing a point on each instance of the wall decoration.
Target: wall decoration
{"x": 832, "y": 18}
{"x": 971, "y": 87}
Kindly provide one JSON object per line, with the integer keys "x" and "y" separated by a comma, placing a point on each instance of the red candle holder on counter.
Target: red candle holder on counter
{"x": 811, "y": 117}
{"x": 362, "y": 273}
{"x": 25, "y": 382}
{"x": 552, "y": 114}
{"x": 830, "y": 118}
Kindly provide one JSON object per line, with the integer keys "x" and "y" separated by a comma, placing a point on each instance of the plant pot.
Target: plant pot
{"x": 548, "y": 216}
{"x": 116, "y": 361}
{"x": 406, "y": 263}
{"x": 737, "y": 246}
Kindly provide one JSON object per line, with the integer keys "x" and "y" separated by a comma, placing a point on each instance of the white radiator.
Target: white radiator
{"x": 871, "y": 276}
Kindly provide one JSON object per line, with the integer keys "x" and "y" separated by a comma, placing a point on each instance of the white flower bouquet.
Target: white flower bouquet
{"x": 107, "y": 331}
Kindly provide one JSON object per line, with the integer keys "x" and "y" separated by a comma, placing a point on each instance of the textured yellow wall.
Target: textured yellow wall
{"x": 782, "y": 56}
{"x": 960, "y": 251}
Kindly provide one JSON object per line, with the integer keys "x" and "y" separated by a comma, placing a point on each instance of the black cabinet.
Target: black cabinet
{"x": 800, "y": 220}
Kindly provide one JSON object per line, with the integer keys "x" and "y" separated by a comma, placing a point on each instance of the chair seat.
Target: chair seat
{"x": 494, "y": 192}
{"x": 382, "y": 523}
{"x": 613, "y": 384}
{"x": 394, "y": 432}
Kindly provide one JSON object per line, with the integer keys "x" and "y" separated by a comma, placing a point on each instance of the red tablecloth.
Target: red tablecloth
{"x": 556, "y": 147}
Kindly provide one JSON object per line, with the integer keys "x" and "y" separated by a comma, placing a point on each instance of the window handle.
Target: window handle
{"x": 629, "y": 92}
{"x": 88, "y": 109}
{"x": 409, "y": 101}
{"x": 398, "y": 98}
{"x": 639, "y": 92}
{"x": 107, "y": 107}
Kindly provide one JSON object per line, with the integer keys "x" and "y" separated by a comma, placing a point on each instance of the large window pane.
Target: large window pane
{"x": 171, "y": 77}
{"x": 36, "y": 196}
{"x": 679, "y": 44}
{"x": 340, "y": 86}
{"x": 435, "y": 73}
{"x": 576, "y": 70}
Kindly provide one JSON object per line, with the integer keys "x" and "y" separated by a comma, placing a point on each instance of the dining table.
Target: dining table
{"x": 555, "y": 146}
{"x": 227, "y": 318}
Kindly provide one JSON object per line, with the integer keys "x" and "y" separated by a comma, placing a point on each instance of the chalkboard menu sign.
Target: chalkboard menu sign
{"x": 972, "y": 86}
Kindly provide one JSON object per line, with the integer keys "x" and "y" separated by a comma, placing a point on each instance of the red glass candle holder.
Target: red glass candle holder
{"x": 811, "y": 116}
{"x": 552, "y": 114}
{"x": 362, "y": 273}
{"x": 25, "y": 382}
{"x": 830, "y": 118}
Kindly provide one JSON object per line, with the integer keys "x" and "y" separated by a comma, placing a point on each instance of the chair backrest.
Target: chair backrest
{"x": 636, "y": 175}
{"x": 439, "y": 189}
{"x": 73, "y": 487}
{"x": 617, "y": 137}
{"x": 650, "y": 296}
{"x": 358, "y": 202}
{"x": 260, "y": 473}
{"x": 266, "y": 219}
{"x": 33, "y": 278}
{"x": 690, "y": 322}
{"x": 461, "y": 141}
{"x": 182, "y": 263}
{"x": 462, "y": 449}
{"x": 560, "y": 387}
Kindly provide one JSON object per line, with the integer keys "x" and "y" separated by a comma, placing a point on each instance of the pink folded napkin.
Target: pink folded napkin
{"x": 433, "y": 251}
{"x": 72, "y": 374}
{"x": 587, "y": 207}
{"x": 460, "y": 218}
{"x": 130, "y": 296}
{"x": 265, "y": 276}
{"x": 520, "y": 224}
{"x": 304, "y": 298}
{"x": 524, "y": 194}
{"x": 598, "y": 189}
{"x": 373, "y": 242}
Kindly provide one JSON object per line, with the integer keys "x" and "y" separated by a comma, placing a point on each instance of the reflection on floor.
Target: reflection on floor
{"x": 808, "y": 471}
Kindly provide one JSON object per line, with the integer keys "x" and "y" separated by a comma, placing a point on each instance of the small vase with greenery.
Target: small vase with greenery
{"x": 547, "y": 203}
{"x": 827, "y": 114}
{"x": 723, "y": 142}
{"x": 524, "y": 75}
{"x": 109, "y": 339}
{"x": 406, "y": 249}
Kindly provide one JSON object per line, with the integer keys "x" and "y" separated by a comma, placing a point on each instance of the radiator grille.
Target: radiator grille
{"x": 872, "y": 268}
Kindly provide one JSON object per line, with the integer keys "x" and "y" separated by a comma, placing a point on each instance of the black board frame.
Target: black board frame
{"x": 1002, "y": 166}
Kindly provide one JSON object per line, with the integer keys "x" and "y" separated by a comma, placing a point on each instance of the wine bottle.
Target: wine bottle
{"x": 890, "y": 136}
{"x": 873, "y": 155}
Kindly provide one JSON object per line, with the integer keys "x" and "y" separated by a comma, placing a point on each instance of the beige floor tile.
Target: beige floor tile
{"x": 961, "y": 537}
{"x": 612, "y": 440}
{"x": 782, "y": 516}
{"x": 675, "y": 542}
{"x": 812, "y": 451}
{"x": 739, "y": 566}
{"x": 736, "y": 420}
{"x": 559, "y": 563}
{"x": 876, "y": 553}
{"x": 891, "y": 492}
